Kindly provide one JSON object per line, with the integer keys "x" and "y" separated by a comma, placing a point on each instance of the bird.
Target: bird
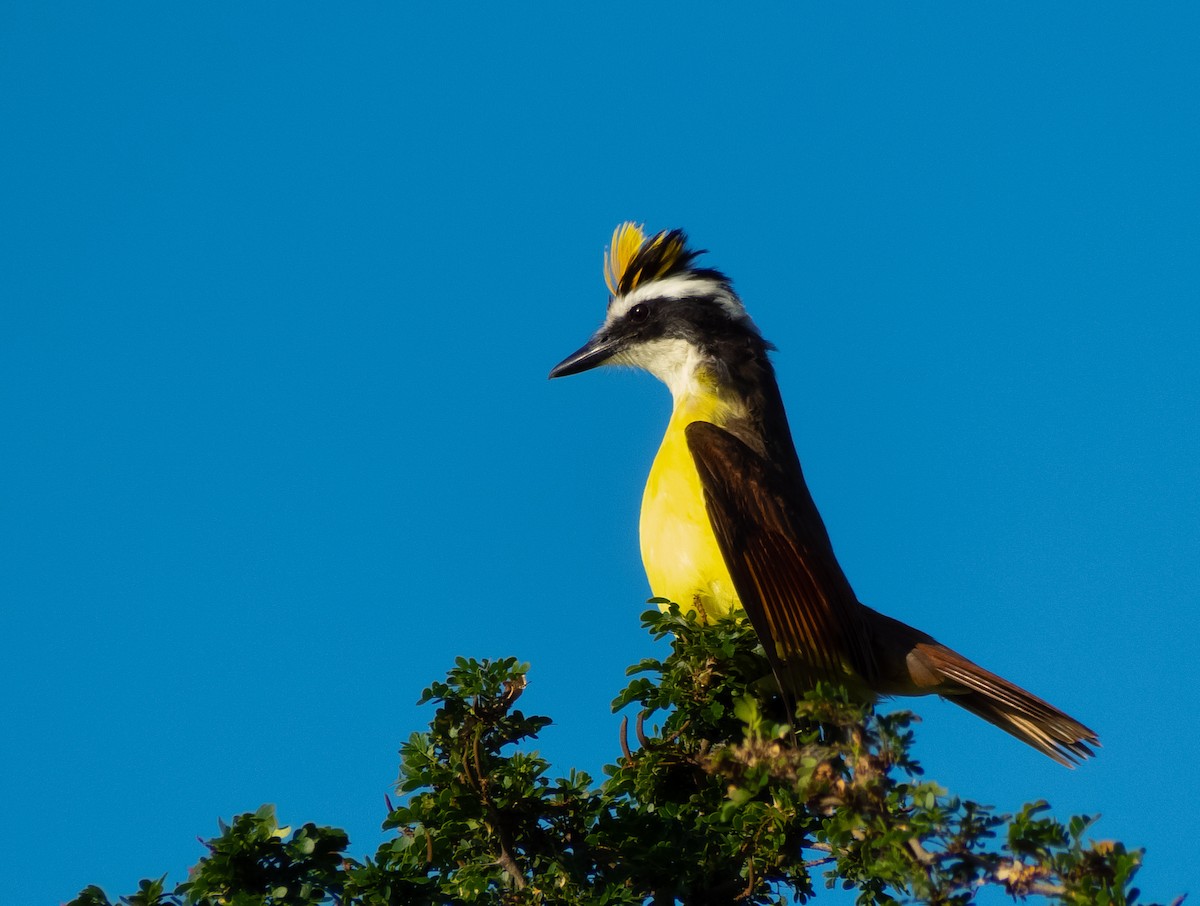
{"x": 728, "y": 524}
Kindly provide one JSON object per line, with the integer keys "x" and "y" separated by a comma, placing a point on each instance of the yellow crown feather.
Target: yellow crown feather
{"x": 632, "y": 259}
{"x": 627, "y": 238}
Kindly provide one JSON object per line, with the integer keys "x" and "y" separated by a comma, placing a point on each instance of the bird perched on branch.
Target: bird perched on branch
{"x": 728, "y": 523}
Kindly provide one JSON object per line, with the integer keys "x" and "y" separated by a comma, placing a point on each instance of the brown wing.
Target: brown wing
{"x": 782, "y": 565}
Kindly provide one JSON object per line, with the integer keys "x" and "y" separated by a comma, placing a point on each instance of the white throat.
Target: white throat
{"x": 675, "y": 362}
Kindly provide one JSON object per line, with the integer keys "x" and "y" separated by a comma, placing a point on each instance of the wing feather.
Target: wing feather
{"x": 782, "y": 565}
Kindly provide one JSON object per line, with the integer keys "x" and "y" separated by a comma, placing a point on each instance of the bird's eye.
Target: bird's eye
{"x": 639, "y": 313}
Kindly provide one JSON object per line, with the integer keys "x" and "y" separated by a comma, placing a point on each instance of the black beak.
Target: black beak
{"x": 596, "y": 351}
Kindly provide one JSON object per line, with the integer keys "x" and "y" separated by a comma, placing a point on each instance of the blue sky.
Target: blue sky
{"x": 281, "y": 286}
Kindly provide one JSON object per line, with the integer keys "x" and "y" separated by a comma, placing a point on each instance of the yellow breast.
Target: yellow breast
{"x": 679, "y": 550}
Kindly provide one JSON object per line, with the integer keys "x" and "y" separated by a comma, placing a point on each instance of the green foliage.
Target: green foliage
{"x": 723, "y": 799}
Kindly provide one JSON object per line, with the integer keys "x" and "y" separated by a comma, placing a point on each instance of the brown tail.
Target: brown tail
{"x": 1006, "y": 705}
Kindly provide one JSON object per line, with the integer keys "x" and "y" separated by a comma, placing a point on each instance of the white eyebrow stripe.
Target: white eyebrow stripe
{"x": 678, "y": 287}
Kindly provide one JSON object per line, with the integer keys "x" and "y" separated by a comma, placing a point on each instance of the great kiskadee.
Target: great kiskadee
{"x": 728, "y": 523}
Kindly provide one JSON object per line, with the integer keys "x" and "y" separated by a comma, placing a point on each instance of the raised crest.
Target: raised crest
{"x": 632, "y": 259}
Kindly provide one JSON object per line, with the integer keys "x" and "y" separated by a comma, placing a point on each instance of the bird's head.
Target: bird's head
{"x": 665, "y": 315}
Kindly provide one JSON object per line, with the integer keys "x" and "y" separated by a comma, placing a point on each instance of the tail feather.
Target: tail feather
{"x": 1008, "y": 706}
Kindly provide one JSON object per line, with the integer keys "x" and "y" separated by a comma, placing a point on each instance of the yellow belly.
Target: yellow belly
{"x": 679, "y": 550}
